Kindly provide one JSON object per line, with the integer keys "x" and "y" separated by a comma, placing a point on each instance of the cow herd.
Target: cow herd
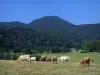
{"x": 53, "y": 59}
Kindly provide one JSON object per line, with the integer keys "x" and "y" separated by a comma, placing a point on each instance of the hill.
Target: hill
{"x": 7, "y": 25}
{"x": 89, "y": 31}
{"x": 66, "y": 29}
{"x": 59, "y": 27}
{"x": 51, "y": 24}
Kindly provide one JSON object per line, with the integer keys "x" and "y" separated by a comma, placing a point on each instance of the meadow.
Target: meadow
{"x": 11, "y": 67}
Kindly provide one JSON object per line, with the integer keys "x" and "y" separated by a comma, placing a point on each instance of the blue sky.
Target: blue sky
{"x": 74, "y": 11}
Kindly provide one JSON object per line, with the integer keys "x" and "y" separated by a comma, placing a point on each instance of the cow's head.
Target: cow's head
{"x": 81, "y": 62}
{"x": 18, "y": 61}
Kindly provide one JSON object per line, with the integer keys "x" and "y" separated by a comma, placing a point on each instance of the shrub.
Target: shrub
{"x": 83, "y": 51}
{"x": 15, "y": 57}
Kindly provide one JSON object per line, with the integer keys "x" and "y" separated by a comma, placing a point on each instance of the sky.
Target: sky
{"x": 74, "y": 11}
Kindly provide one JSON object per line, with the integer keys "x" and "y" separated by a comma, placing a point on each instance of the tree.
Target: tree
{"x": 41, "y": 49}
{"x": 34, "y": 51}
{"x": 55, "y": 50}
{"x": 26, "y": 50}
{"x": 93, "y": 45}
{"x": 4, "y": 51}
{"x": 11, "y": 54}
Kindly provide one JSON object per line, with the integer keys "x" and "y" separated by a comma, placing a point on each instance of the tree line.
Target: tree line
{"x": 26, "y": 40}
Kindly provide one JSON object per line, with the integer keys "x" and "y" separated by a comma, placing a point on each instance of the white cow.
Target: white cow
{"x": 64, "y": 58}
{"x": 24, "y": 58}
{"x": 98, "y": 54}
{"x": 33, "y": 58}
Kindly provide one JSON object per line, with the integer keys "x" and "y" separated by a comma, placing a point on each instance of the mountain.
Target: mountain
{"x": 51, "y": 24}
{"x": 7, "y": 25}
{"x": 89, "y": 31}
{"x": 58, "y": 27}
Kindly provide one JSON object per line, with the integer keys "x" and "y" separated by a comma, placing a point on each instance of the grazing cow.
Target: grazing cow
{"x": 33, "y": 58}
{"x": 54, "y": 59}
{"x": 24, "y": 58}
{"x": 48, "y": 59}
{"x": 43, "y": 58}
{"x": 64, "y": 58}
{"x": 85, "y": 61}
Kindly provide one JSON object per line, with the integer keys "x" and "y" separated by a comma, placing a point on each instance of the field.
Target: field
{"x": 8, "y": 67}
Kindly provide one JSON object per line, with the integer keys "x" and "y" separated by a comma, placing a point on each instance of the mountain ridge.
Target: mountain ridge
{"x": 58, "y": 25}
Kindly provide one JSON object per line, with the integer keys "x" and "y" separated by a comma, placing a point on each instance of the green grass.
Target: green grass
{"x": 8, "y": 67}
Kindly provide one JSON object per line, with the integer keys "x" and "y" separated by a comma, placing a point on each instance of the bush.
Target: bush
{"x": 84, "y": 51}
{"x": 38, "y": 57}
{"x": 15, "y": 57}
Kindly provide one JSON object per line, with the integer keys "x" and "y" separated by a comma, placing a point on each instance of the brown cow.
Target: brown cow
{"x": 48, "y": 59}
{"x": 43, "y": 58}
{"x": 85, "y": 61}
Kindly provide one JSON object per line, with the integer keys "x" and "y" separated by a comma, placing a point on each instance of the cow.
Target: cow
{"x": 24, "y": 58}
{"x": 54, "y": 59}
{"x": 48, "y": 59}
{"x": 64, "y": 58}
{"x": 43, "y": 58}
{"x": 85, "y": 61}
{"x": 33, "y": 59}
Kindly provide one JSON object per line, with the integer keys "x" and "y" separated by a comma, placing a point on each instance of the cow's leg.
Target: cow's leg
{"x": 86, "y": 63}
{"x": 63, "y": 61}
{"x": 52, "y": 61}
{"x": 56, "y": 62}
{"x": 29, "y": 61}
{"x": 83, "y": 64}
{"x": 89, "y": 63}
{"x": 69, "y": 61}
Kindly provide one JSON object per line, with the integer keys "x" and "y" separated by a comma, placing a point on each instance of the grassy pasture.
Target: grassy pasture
{"x": 76, "y": 56}
{"x": 8, "y": 67}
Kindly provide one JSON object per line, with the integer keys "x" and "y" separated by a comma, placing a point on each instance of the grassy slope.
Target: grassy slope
{"x": 8, "y": 67}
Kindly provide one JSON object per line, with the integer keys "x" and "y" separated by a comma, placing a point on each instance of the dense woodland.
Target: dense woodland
{"x": 49, "y": 34}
